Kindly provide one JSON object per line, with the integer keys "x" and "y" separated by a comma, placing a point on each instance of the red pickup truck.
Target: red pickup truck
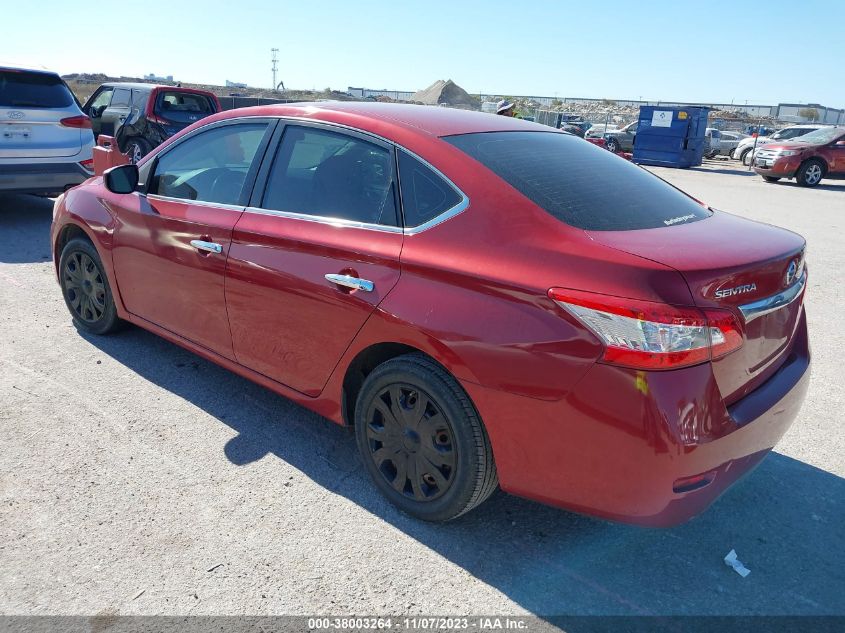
{"x": 808, "y": 158}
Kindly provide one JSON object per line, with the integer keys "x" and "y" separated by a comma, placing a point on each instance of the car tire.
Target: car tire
{"x": 85, "y": 288}
{"x": 136, "y": 149}
{"x": 745, "y": 156}
{"x": 771, "y": 178}
{"x": 411, "y": 416}
{"x": 612, "y": 145}
{"x": 810, "y": 173}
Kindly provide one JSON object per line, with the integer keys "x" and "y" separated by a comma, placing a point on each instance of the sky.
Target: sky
{"x": 719, "y": 51}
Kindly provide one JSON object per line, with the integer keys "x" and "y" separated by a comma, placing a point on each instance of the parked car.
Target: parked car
{"x": 45, "y": 139}
{"x": 598, "y": 130}
{"x": 712, "y": 142}
{"x": 142, "y": 116}
{"x": 622, "y": 140}
{"x": 469, "y": 292}
{"x": 729, "y": 142}
{"x": 808, "y": 158}
{"x": 744, "y": 150}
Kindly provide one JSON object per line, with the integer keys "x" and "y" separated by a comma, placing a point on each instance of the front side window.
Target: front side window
{"x": 425, "y": 195}
{"x": 102, "y": 99}
{"x": 211, "y": 166}
{"x": 330, "y": 174}
{"x": 579, "y": 183}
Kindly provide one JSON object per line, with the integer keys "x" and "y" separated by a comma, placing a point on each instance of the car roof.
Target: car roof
{"x": 134, "y": 85}
{"x": 384, "y": 117}
{"x": 36, "y": 68}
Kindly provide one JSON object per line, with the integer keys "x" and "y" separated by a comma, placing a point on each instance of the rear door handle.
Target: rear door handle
{"x": 208, "y": 247}
{"x": 347, "y": 281}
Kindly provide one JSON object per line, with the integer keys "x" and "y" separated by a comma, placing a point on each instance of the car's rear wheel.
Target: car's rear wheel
{"x": 745, "y": 157}
{"x": 612, "y": 145}
{"x": 85, "y": 288}
{"x": 136, "y": 149}
{"x": 771, "y": 178}
{"x": 810, "y": 173}
{"x": 422, "y": 440}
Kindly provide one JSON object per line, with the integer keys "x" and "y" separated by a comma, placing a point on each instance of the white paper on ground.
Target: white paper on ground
{"x": 731, "y": 561}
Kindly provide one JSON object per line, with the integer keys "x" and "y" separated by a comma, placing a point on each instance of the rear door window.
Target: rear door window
{"x": 330, "y": 174}
{"x": 183, "y": 107}
{"x": 21, "y": 89}
{"x": 121, "y": 98}
{"x": 579, "y": 183}
{"x": 211, "y": 166}
{"x": 425, "y": 195}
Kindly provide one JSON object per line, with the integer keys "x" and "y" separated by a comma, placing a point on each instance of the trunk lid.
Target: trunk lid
{"x": 734, "y": 264}
{"x": 37, "y": 133}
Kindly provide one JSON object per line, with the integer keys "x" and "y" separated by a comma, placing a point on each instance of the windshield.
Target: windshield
{"x": 579, "y": 183}
{"x": 21, "y": 89}
{"x": 824, "y": 135}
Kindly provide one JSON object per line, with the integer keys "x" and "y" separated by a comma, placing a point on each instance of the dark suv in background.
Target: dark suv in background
{"x": 142, "y": 116}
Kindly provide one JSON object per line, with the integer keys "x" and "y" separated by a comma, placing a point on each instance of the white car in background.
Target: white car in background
{"x": 46, "y": 143}
{"x": 744, "y": 151}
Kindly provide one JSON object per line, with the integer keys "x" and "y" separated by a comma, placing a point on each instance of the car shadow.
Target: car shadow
{"x": 786, "y": 520}
{"x": 734, "y": 171}
{"x": 25, "y": 228}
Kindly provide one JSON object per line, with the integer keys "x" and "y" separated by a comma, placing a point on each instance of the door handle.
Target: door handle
{"x": 208, "y": 247}
{"x": 347, "y": 281}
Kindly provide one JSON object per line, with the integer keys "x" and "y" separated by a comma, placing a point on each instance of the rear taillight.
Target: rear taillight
{"x": 650, "y": 335}
{"x": 80, "y": 121}
{"x": 88, "y": 165}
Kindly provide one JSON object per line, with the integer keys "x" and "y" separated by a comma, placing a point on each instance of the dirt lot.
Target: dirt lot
{"x": 137, "y": 478}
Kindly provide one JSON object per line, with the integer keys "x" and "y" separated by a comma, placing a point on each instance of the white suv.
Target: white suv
{"x": 46, "y": 143}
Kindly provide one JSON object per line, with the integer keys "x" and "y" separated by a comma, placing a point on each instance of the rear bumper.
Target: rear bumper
{"x": 618, "y": 445}
{"x": 41, "y": 177}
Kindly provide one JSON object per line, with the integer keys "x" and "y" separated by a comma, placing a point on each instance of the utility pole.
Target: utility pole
{"x": 275, "y": 60}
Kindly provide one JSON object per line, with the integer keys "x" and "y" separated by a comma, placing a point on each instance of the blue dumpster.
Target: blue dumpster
{"x": 670, "y": 136}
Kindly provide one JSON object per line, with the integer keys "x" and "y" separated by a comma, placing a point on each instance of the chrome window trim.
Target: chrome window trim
{"x": 413, "y": 230}
{"x": 448, "y": 214}
{"x": 762, "y": 307}
{"x": 200, "y": 203}
{"x": 323, "y": 219}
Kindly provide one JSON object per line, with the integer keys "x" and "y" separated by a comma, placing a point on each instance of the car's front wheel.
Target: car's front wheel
{"x": 422, "y": 440}
{"x": 612, "y": 145}
{"x": 810, "y": 173}
{"x": 85, "y": 288}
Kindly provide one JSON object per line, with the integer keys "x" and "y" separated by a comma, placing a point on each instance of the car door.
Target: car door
{"x": 172, "y": 238}
{"x": 314, "y": 254}
{"x": 116, "y": 112}
{"x": 96, "y": 105}
{"x": 834, "y": 155}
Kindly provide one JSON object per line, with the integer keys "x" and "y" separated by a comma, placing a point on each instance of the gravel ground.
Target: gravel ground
{"x": 136, "y": 478}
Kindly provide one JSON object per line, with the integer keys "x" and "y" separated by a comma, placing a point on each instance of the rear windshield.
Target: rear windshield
{"x": 183, "y": 107}
{"x": 21, "y": 89}
{"x": 579, "y": 183}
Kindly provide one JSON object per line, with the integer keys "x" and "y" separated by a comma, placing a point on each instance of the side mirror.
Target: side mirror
{"x": 121, "y": 179}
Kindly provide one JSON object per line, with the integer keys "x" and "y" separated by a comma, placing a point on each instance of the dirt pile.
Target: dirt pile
{"x": 446, "y": 93}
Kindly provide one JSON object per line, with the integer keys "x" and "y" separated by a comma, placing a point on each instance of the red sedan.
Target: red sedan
{"x": 489, "y": 302}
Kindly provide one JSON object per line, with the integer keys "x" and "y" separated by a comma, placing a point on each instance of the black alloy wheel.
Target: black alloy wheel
{"x": 85, "y": 288}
